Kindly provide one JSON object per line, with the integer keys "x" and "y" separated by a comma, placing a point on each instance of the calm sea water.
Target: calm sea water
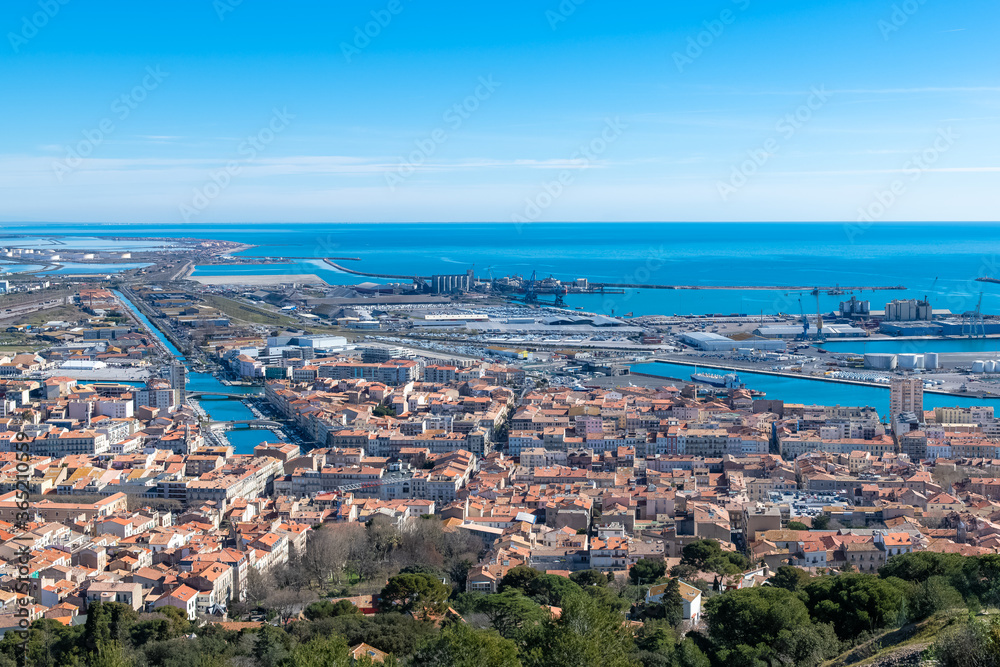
{"x": 794, "y": 390}
{"x": 940, "y": 261}
{"x": 937, "y": 260}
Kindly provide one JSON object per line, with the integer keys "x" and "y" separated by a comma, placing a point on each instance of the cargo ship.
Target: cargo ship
{"x": 728, "y": 381}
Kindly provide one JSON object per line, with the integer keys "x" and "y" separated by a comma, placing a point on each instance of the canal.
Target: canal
{"x": 988, "y": 347}
{"x": 219, "y": 409}
{"x": 802, "y": 390}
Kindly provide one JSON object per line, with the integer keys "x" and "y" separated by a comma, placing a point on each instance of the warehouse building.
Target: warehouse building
{"x": 713, "y": 342}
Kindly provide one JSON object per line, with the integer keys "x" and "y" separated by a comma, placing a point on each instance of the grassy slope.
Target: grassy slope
{"x": 246, "y": 313}
{"x": 911, "y": 638}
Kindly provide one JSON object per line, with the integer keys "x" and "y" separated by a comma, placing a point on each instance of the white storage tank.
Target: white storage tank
{"x": 978, "y": 365}
{"x": 911, "y": 361}
{"x": 990, "y": 366}
{"x": 931, "y": 360}
{"x": 880, "y": 361}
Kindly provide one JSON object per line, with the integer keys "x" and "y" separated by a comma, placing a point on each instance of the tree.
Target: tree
{"x": 509, "y": 611}
{"x": 287, "y": 602}
{"x": 821, "y": 522}
{"x": 697, "y": 553}
{"x": 327, "y": 609}
{"x": 325, "y": 557}
{"x": 972, "y": 644}
{"x": 414, "y": 592}
{"x": 551, "y": 589}
{"x": 806, "y": 646}
{"x": 934, "y": 594}
{"x": 585, "y": 635}
{"x": 689, "y": 655}
{"x": 727, "y": 563}
{"x": 855, "y": 603}
{"x": 459, "y": 645}
{"x": 321, "y": 652}
{"x": 518, "y": 577}
{"x": 670, "y": 608}
{"x": 647, "y": 570}
{"x": 584, "y": 578}
{"x": 271, "y": 646}
{"x": 789, "y": 578}
{"x": 258, "y": 586}
{"x": 107, "y": 623}
{"x": 754, "y": 616}
{"x": 796, "y": 525}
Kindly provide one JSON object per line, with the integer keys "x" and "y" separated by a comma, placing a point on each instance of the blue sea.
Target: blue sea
{"x": 810, "y": 392}
{"x": 940, "y": 261}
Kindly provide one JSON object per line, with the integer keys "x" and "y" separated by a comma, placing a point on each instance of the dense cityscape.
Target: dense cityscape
{"x": 499, "y": 334}
{"x": 389, "y": 461}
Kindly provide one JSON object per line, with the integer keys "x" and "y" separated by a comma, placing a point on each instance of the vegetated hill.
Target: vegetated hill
{"x": 906, "y": 645}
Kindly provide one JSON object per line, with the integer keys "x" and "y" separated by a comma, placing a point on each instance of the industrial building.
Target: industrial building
{"x": 949, "y": 327}
{"x": 908, "y": 310}
{"x": 576, "y": 320}
{"x": 445, "y": 284}
{"x": 715, "y": 343}
{"x": 795, "y": 331}
{"x": 855, "y": 308}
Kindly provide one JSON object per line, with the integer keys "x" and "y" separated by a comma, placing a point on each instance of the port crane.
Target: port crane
{"x": 805, "y": 322}
{"x": 530, "y": 293}
{"x": 972, "y": 321}
{"x": 819, "y": 319}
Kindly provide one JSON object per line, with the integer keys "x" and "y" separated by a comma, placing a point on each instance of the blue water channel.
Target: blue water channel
{"x": 219, "y": 409}
{"x": 989, "y": 347}
{"x": 801, "y": 390}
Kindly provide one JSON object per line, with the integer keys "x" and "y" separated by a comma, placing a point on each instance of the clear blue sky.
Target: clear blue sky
{"x": 679, "y": 122}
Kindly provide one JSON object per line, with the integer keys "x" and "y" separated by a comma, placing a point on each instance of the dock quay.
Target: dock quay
{"x": 373, "y": 275}
{"x": 618, "y": 288}
{"x": 775, "y": 288}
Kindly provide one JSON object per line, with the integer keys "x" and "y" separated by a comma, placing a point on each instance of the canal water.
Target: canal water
{"x": 801, "y": 390}
{"x": 989, "y": 347}
{"x": 219, "y": 409}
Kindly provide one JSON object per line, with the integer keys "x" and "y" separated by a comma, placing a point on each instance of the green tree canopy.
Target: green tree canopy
{"x": 511, "y": 610}
{"x": 585, "y": 635}
{"x": 753, "y": 616}
{"x": 459, "y": 645}
{"x": 697, "y": 553}
{"x": 518, "y": 577}
{"x": 790, "y": 578}
{"x": 586, "y": 578}
{"x": 647, "y": 570}
{"x": 414, "y": 593}
{"x": 855, "y": 603}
